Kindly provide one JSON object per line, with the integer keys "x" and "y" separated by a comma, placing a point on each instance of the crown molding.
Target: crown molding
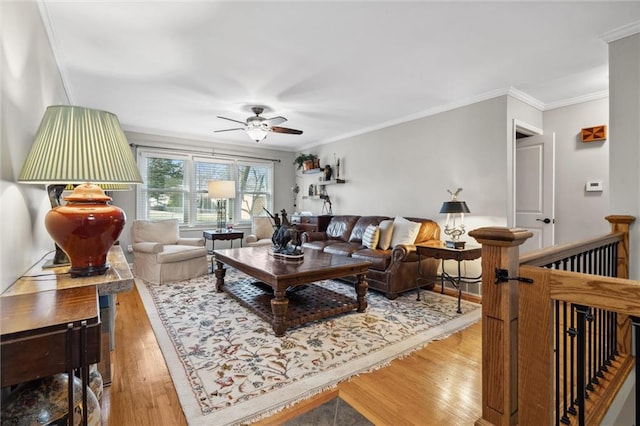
{"x": 429, "y": 112}
{"x": 48, "y": 27}
{"x": 577, "y": 100}
{"x": 526, "y": 98}
{"x": 621, "y": 32}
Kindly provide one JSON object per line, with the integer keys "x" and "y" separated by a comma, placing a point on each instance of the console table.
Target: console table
{"x": 441, "y": 251}
{"x": 118, "y": 278}
{"x": 50, "y": 332}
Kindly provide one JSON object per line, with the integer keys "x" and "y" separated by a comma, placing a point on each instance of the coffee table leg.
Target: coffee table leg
{"x": 279, "y": 305}
{"x": 361, "y": 292}
{"x": 220, "y": 272}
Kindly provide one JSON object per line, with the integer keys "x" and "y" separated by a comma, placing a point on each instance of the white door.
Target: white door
{"x": 535, "y": 174}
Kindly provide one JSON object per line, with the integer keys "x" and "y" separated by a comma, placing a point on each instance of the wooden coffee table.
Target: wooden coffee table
{"x": 281, "y": 281}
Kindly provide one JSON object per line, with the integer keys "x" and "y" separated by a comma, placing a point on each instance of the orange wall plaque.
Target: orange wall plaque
{"x": 596, "y": 133}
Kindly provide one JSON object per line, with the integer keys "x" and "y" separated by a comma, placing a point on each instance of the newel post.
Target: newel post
{"x": 500, "y": 250}
{"x": 621, "y": 223}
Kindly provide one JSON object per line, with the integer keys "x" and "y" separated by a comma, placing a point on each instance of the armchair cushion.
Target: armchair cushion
{"x": 176, "y": 253}
{"x": 147, "y": 247}
{"x": 190, "y": 241}
{"x": 262, "y": 227}
{"x": 261, "y": 232}
{"x": 159, "y": 231}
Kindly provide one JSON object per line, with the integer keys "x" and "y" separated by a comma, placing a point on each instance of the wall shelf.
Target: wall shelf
{"x": 311, "y": 171}
{"x": 330, "y": 182}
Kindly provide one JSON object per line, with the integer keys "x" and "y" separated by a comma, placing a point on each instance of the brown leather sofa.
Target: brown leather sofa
{"x": 392, "y": 271}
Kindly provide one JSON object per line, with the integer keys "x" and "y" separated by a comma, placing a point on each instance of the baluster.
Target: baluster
{"x": 572, "y": 332}
{"x": 589, "y": 351}
{"x": 602, "y": 264}
{"x": 612, "y": 337}
{"x": 635, "y": 322}
{"x": 582, "y": 312}
{"x": 603, "y": 335}
{"x": 561, "y": 364}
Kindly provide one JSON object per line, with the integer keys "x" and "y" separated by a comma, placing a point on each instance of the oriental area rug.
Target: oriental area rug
{"x": 228, "y": 367}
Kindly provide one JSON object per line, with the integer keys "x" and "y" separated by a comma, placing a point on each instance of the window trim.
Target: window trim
{"x": 190, "y": 181}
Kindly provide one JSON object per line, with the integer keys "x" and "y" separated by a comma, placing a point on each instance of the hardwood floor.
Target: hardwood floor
{"x": 437, "y": 385}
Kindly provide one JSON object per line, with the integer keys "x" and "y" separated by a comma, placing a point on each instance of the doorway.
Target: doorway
{"x": 534, "y": 186}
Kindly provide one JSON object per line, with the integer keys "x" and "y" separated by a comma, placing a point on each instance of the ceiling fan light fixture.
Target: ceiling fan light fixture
{"x": 256, "y": 133}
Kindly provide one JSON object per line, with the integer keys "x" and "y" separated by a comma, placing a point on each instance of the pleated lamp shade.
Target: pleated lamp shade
{"x": 76, "y": 145}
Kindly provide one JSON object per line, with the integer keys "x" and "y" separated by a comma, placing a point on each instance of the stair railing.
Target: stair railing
{"x": 555, "y": 322}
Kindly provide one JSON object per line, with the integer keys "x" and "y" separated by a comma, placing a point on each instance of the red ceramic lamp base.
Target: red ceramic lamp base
{"x": 86, "y": 228}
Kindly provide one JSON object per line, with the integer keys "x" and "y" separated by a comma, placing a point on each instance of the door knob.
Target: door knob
{"x": 545, "y": 220}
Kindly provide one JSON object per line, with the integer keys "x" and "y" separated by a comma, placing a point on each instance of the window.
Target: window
{"x": 254, "y": 189}
{"x": 176, "y": 186}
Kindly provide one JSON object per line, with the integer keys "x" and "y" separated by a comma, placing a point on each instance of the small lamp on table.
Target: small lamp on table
{"x": 221, "y": 190}
{"x": 454, "y": 208}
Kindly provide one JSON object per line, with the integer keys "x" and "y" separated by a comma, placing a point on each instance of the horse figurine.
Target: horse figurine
{"x": 286, "y": 238}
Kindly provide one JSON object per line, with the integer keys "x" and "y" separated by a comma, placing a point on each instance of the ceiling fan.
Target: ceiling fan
{"x": 258, "y": 127}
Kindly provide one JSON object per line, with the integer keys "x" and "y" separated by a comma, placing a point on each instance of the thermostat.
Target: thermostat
{"x": 594, "y": 186}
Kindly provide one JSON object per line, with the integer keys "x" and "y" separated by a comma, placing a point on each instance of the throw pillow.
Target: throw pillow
{"x": 371, "y": 236}
{"x": 404, "y": 231}
{"x": 386, "y": 231}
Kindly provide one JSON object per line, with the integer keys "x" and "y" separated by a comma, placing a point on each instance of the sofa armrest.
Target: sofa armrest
{"x": 404, "y": 253}
{"x": 192, "y": 241}
{"x": 147, "y": 247}
{"x": 251, "y": 238}
{"x": 314, "y": 236}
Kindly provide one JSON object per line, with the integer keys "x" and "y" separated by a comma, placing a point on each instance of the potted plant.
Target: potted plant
{"x": 307, "y": 161}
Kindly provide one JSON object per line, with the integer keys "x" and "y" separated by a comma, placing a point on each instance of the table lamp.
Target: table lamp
{"x": 452, "y": 209}
{"x": 85, "y": 147}
{"x": 221, "y": 190}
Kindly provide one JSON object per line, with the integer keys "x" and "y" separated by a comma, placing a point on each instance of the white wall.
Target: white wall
{"x": 624, "y": 151}
{"x": 30, "y": 83}
{"x": 580, "y": 214}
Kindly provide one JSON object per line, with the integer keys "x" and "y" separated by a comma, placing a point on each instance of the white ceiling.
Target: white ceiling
{"x": 333, "y": 68}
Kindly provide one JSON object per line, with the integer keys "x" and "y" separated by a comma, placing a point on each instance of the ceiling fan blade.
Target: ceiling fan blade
{"x": 231, "y": 119}
{"x": 277, "y": 129}
{"x": 275, "y": 121}
{"x": 228, "y": 130}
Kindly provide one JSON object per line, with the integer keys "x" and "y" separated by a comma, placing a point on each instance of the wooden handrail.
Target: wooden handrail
{"x": 503, "y": 304}
{"x": 553, "y": 254}
{"x": 535, "y": 371}
{"x": 612, "y": 294}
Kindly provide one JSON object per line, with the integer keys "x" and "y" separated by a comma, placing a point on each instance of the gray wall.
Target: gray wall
{"x": 580, "y": 214}
{"x": 624, "y": 107}
{"x": 406, "y": 169}
{"x": 30, "y": 83}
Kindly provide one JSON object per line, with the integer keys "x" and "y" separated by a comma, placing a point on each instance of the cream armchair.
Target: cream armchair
{"x": 261, "y": 232}
{"x": 160, "y": 255}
